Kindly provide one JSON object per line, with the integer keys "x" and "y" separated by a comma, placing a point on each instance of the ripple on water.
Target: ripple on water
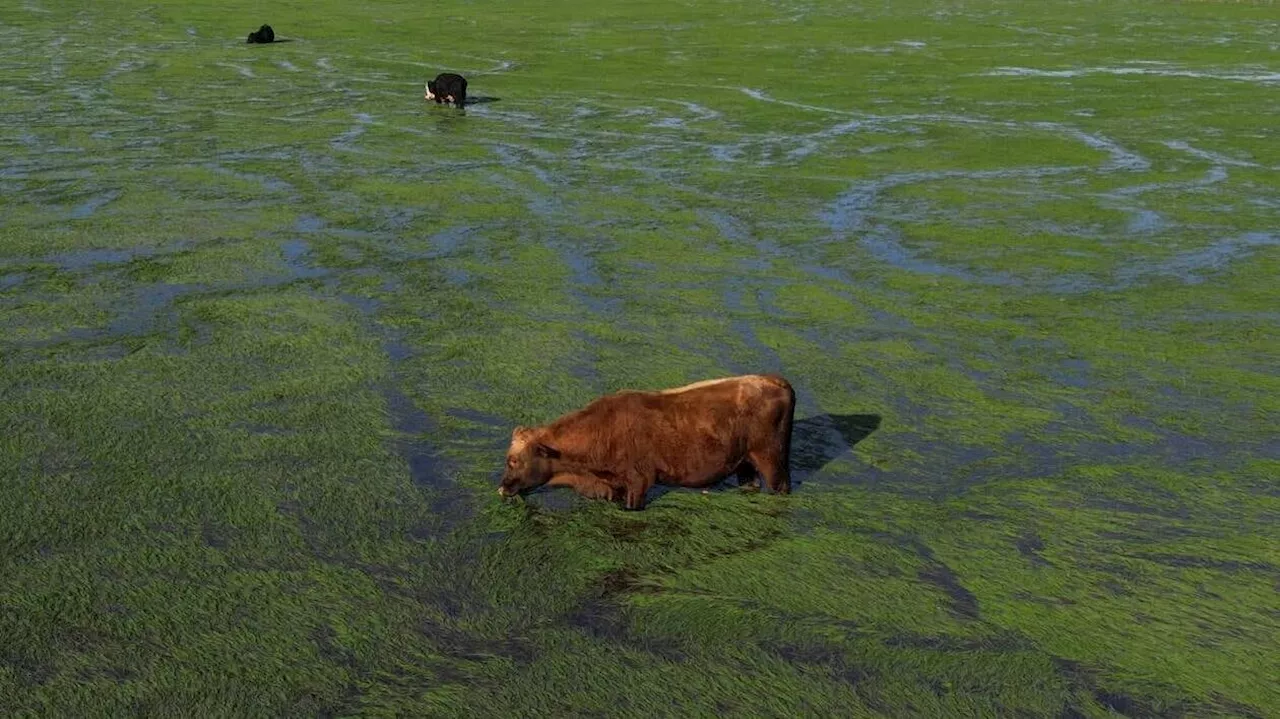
{"x": 1265, "y": 77}
{"x": 90, "y": 206}
{"x": 308, "y": 223}
{"x": 344, "y": 141}
{"x": 1190, "y": 266}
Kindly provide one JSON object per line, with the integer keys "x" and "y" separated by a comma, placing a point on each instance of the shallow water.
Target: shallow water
{"x": 1024, "y": 288}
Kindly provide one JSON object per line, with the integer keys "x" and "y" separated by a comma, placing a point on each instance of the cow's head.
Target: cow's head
{"x": 529, "y": 463}
{"x": 431, "y": 90}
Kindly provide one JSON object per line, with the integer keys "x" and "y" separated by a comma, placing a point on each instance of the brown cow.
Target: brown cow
{"x": 622, "y": 444}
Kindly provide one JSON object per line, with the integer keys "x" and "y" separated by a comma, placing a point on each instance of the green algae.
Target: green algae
{"x": 266, "y": 323}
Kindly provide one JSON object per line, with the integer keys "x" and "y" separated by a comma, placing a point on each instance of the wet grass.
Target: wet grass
{"x": 267, "y": 320}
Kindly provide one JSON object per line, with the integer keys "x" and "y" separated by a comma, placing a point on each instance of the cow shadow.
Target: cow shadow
{"x": 481, "y": 99}
{"x": 817, "y": 441}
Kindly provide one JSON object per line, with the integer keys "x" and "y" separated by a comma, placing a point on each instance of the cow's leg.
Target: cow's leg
{"x": 770, "y": 447}
{"x": 772, "y": 465}
{"x": 635, "y": 497}
{"x": 588, "y": 486}
{"x": 638, "y": 482}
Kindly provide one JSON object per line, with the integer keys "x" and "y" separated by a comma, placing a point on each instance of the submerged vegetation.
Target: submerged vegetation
{"x": 267, "y": 320}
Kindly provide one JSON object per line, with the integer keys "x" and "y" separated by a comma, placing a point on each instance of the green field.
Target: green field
{"x": 267, "y": 320}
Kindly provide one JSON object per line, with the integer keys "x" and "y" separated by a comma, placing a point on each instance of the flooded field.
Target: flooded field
{"x": 267, "y": 320}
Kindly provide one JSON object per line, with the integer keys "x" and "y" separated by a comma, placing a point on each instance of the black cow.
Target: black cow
{"x": 263, "y": 34}
{"x": 447, "y": 87}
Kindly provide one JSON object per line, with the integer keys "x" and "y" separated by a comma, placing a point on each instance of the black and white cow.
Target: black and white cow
{"x": 447, "y": 87}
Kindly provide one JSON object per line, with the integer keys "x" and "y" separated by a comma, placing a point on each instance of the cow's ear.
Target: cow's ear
{"x": 520, "y": 436}
{"x": 549, "y": 452}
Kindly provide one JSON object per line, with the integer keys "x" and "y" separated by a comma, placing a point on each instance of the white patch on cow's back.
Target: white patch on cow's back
{"x": 712, "y": 382}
